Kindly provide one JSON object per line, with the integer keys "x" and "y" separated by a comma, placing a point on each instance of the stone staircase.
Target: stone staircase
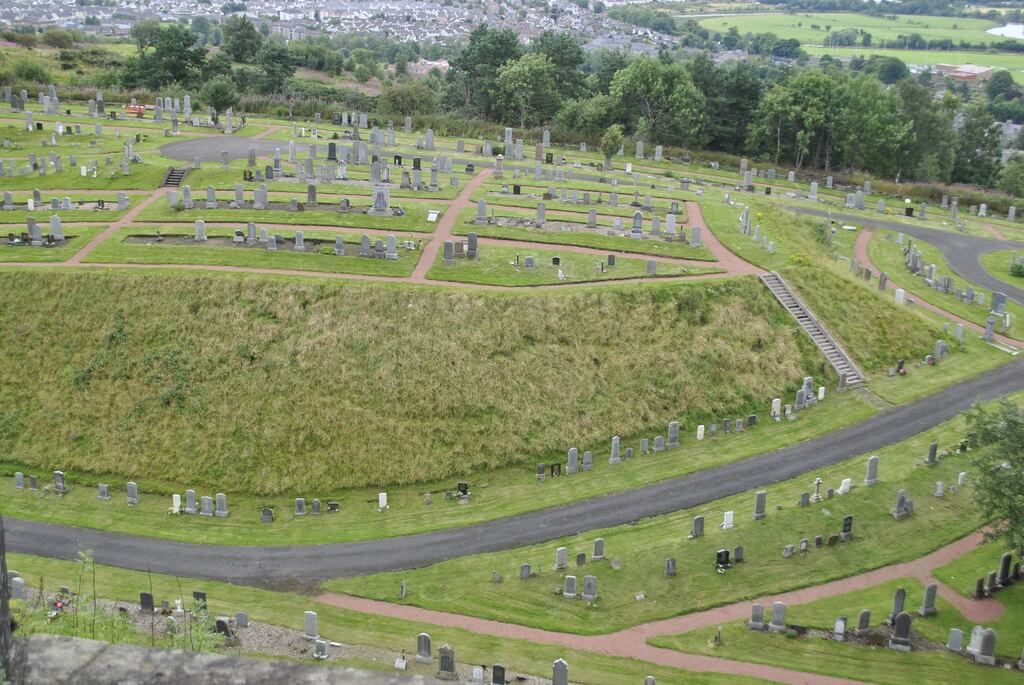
{"x": 835, "y": 354}
{"x": 173, "y": 177}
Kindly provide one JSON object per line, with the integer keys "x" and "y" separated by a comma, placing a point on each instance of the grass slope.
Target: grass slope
{"x": 251, "y": 385}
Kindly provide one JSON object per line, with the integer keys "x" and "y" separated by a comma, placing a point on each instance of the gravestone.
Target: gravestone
{"x": 310, "y": 629}
{"x": 955, "y": 642}
{"x": 897, "y": 605}
{"x": 133, "y": 494}
{"x": 698, "y": 527}
{"x": 756, "y": 621}
{"x": 598, "y": 549}
{"x": 569, "y": 590}
{"x": 146, "y": 603}
{"x": 872, "y": 473}
{"x": 863, "y": 622}
{"x": 424, "y": 654}
{"x": 760, "y": 503}
{"x": 559, "y": 672}
{"x": 589, "y": 588}
{"x": 670, "y": 568}
{"x": 928, "y": 603}
{"x": 446, "y": 664}
{"x": 561, "y": 558}
{"x": 900, "y": 640}
{"x": 778, "y": 622}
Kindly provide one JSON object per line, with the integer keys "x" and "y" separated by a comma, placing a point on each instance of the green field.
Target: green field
{"x": 1012, "y": 62}
{"x": 801, "y": 26}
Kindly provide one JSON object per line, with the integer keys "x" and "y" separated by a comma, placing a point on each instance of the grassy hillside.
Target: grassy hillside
{"x": 264, "y": 386}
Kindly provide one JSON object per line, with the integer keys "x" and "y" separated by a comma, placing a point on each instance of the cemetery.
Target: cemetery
{"x": 711, "y": 390}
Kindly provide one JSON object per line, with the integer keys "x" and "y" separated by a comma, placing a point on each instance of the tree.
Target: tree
{"x": 1000, "y": 84}
{"x": 219, "y": 93}
{"x": 473, "y": 73}
{"x": 567, "y": 55}
{"x": 611, "y": 141}
{"x": 998, "y": 480}
{"x": 408, "y": 98}
{"x": 977, "y": 151}
{"x": 275, "y": 65}
{"x": 58, "y": 38}
{"x": 527, "y": 94}
{"x": 240, "y": 39}
{"x": 929, "y": 152}
{"x": 1011, "y": 177}
{"x": 145, "y": 34}
{"x": 201, "y": 27}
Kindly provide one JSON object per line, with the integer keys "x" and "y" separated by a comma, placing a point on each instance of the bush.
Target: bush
{"x": 1017, "y": 270}
{"x": 30, "y": 71}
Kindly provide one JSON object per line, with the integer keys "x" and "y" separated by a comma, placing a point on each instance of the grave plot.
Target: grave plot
{"x": 630, "y": 562}
{"x": 562, "y": 228}
{"x": 949, "y": 292}
{"x": 24, "y": 244}
{"x": 191, "y": 205}
{"x": 18, "y": 206}
{"x": 495, "y": 264}
{"x": 608, "y": 200}
{"x": 813, "y": 641}
{"x": 318, "y": 251}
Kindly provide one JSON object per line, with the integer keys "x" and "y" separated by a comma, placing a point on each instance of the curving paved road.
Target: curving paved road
{"x": 270, "y": 565}
{"x": 961, "y": 251}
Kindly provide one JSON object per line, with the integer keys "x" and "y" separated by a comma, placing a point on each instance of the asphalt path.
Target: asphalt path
{"x": 962, "y": 252}
{"x": 276, "y": 565}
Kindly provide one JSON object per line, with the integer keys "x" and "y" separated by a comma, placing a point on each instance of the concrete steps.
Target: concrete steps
{"x": 836, "y": 356}
{"x": 174, "y": 177}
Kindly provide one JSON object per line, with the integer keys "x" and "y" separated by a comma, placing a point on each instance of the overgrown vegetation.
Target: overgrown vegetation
{"x": 253, "y": 385}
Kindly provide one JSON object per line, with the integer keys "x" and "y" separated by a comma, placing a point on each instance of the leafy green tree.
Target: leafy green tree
{"x": 145, "y": 34}
{"x": 472, "y": 76}
{"x": 609, "y": 63}
{"x": 1011, "y": 177}
{"x": 930, "y": 151}
{"x": 408, "y": 98}
{"x": 890, "y": 70}
{"x": 977, "y": 151}
{"x": 999, "y": 85}
{"x": 219, "y": 64}
{"x": 219, "y": 93}
{"x": 567, "y": 55}
{"x": 58, "y": 38}
{"x": 611, "y": 141}
{"x": 275, "y": 65}
{"x": 999, "y": 470}
{"x": 527, "y": 94}
{"x": 870, "y": 127}
{"x": 240, "y": 39}
{"x": 175, "y": 58}
{"x": 661, "y": 102}
{"x": 201, "y": 27}
{"x": 589, "y": 117}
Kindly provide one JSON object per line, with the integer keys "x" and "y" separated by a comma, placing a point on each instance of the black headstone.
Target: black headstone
{"x": 497, "y": 675}
{"x": 146, "y": 602}
{"x": 200, "y": 600}
{"x": 848, "y": 524}
{"x": 722, "y": 558}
